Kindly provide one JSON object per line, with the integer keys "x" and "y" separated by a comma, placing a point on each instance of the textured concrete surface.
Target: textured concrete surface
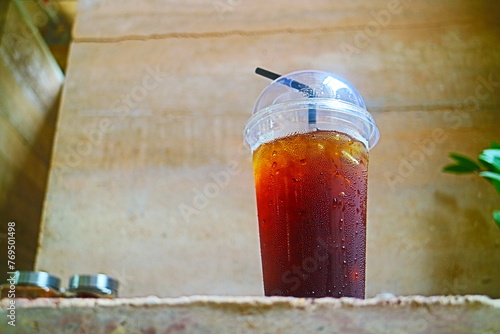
{"x": 220, "y": 315}
{"x": 150, "y": 180}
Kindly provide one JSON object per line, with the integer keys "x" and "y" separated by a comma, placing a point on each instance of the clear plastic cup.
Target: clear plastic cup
{"x": 310, "y": 134}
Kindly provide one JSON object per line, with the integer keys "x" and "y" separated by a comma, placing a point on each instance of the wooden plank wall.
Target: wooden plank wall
{"x": 150, "y": 181}
{"x": 30, "y": 85}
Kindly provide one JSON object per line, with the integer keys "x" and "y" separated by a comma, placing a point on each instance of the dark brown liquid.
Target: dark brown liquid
{"x": 311, "y": 199}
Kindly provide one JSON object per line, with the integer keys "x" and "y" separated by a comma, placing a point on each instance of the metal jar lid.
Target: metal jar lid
{"x": 37, "y": 278}
{"x": 99, "y": 283}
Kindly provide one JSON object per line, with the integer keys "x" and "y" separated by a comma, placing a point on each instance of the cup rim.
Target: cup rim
{"x": 336, "y": 109}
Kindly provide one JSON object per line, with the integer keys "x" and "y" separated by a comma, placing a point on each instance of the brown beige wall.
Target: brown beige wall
{"x": 29, "y": 91}
{"x": 155, "y": 101}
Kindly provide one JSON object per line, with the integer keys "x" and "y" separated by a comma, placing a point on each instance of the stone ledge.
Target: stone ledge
{"x": 215, "y": 314}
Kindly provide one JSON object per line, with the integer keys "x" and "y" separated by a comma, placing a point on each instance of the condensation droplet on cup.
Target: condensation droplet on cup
{"x": 275, "y": 164}
{"x": 303, "y": 161}
{"x": 274, "y": 153}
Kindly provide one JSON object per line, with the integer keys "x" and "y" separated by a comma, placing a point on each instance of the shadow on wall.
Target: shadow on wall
{"x": 29, "y": 99}
{"x": 23, "y": 201}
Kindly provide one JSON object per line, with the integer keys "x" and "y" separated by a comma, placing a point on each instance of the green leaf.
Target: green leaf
{"x": 496, "y": 184}
{"x": 496, "y": 216}
{"x": 463, "y": 165}
{"x": 495, "y": 145}
{"x": 490, "y": 158}
{"x": 457, "y": 169}
{"x": 491, "y": 176}
{"x": 464, "y": 161}
{"x": 467, "y": 165}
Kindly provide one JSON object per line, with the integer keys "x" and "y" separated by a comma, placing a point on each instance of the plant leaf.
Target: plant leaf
{"x": 466, "y": 162}
{"x": 496, "y": 216}
{"x": 497, "y": 185}
{"x": 463, "y": 165}
{"x": 495, "y": 145}
{"x": 457, "y": 169}
{"x": 490, "y": 158}
{"x": 491, "y": 176}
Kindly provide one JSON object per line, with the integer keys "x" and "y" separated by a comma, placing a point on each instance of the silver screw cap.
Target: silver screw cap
{"x": 99, "y": 283}
{"x": 37, "y": 278}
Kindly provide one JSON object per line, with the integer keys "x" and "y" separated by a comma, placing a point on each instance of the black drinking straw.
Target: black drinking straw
{"x": 311, "y": 115}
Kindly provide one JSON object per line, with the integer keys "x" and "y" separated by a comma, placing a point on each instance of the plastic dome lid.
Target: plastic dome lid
{"x": 307, "y": 101}
{"x": 308, "y": 84}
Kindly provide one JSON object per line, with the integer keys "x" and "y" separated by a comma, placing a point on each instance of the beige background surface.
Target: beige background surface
{"x": 259, "y": 315}
{"x": 155, "y": 101}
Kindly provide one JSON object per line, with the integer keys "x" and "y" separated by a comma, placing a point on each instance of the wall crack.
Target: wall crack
{"x": 230, "y": 33}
